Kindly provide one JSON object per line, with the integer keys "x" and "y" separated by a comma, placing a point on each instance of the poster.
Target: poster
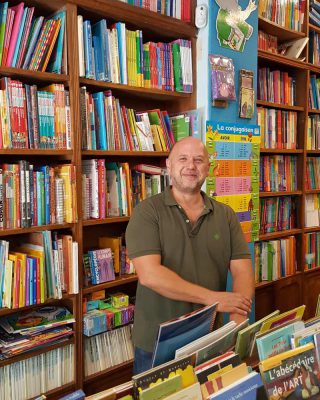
{"x": 234, "y": 151}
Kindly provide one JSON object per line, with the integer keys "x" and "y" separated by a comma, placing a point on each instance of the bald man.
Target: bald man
{"x": 182, "y": 244}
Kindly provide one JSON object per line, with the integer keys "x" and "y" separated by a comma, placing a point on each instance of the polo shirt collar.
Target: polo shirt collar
{"x": 169, "y": 200}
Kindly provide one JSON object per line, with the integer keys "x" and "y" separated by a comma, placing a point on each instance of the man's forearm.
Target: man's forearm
{"x": 167, "y": 283}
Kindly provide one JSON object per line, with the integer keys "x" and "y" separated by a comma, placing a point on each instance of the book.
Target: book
{"x": 293, "y": 48}
{"x": 249, "y": 387}
{"x": 207, "y": 368}
{"x": 161, "y": 390}
{"x": 192, "y": 392}
{"x": 296, "y": 313}
{"x": 178, "y": 332}
{"x": 183, "y": 367}
{"x": 278, "y": 341}
{"x": 293, "y": 373}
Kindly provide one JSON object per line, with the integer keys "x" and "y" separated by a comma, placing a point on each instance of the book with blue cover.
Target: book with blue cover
{"x": 248, "y": 388}
{"x": 178, "y": 332}
{"x": 277, "y": 341}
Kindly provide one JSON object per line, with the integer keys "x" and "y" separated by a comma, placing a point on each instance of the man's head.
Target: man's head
{"x": 188, "y": 165}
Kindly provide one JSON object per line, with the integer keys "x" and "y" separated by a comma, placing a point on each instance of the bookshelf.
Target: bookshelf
{"x": 303, "y": 286}
{"x": 155, "y": 27}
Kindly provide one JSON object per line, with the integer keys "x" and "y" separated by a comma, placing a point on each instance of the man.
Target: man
{"x": 182, "y": 244}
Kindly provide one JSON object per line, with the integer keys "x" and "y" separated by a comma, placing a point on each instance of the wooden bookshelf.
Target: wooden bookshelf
{"x": 304, "y": 286}
{"x": 156, "y": 28}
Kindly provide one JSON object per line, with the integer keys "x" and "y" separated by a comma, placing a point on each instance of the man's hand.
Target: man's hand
{"x": 233, "y": 303}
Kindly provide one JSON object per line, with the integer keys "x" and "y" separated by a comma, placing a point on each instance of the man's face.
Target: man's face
{"x": 188, "y": 166}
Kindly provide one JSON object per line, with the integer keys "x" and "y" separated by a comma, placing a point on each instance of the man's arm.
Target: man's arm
{"x": 162, "y": 280}
{"x": 243, "y": 282}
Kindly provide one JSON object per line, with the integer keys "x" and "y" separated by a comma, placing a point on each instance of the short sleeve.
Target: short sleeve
{"x": 239, "y": 246}
{"x": 142, "y": 234}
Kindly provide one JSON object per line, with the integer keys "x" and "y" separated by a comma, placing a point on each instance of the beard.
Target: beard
{"x": 187, "y": 187}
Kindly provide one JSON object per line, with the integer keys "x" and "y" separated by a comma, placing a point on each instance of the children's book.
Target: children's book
{"x": 278, "y": 341}
{"x": 293, "y": 374}
{"x": 296, "y": 313}
{"x": 178, "y": 332}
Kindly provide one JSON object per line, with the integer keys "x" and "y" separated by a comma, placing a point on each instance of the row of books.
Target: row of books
{"x": 278, "y": 129}
{"x": 34, "y": 118}
{"x": 314, "y": 12}
{"x": 107, "y": 350}
{"x": 313, "y": 133}
{"x": 112, "y": 189}
{"x": 28, "y": 330}
{"x": 314, "y": 96}
{"x": 117, "y": 54}
{"x": 173, "y": 8}
{"x": 34, "y": 195}
{"x": 278, "y": 173}
{"x": 40, "y": 266}
{"x": 288, "y": 13}
{"x": 274, "y": 259}
{"x": 106, "y": 125}
{"x": 312, "y": 210}
{"x": 32, "y": 42}
{"x": 312, "y": 176}
{"x": 314, "y": 48}
{"x": 276, "y": 86}
{"x": 312, "y": 250}
{"x": 47, "y": 371}
{"x": 277, "y": 214}
{"x": 211, "y": 365}
{"x": 267, "y": 42}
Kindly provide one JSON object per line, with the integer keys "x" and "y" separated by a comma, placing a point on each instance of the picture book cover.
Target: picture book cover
{"x": 278, "y": 341}
{"x": 34, "y": 319}
{"x": 182, "y": 366}
{"x": 176, "y": 333}
{"x": 293, "y": 374}
{"x": 162, "y": 389}
{"x": 222, "y": 362}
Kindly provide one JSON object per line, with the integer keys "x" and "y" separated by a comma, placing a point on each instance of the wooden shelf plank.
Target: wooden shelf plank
{"x": 33, "y": 76}
{"x": 36, "y": 152}
{"x": 313, "y": 152}
{"x": 279, "y": 59}
{"x": 110, "y": 220}
{"x": 7, "y": 311}
{"x": 312, "y": 270}
{"x": 21, "y": 231}
{"x": 108, "y": 371}
{"x": 123, "y": 280}
{"x": 312, "y": 191}
{"x": 35, "y": 352}
{"x": 314, "y": 28}
{"x": 279, "y": 106}
{"x": 276, "y": 194}
{"x": 313, "y": 111}
{"x": 279, "y": 234}
{"x": 263, "y": 284}
{"x": 281, "y": 151}
{"x": 139, "y": 18}
{"x": 57, "y": 393}
{"x": 282, "y": 33}
{"x": 125, "y": 153}
{"x": 155, "y": 94}
{"x": 311, "y": 229}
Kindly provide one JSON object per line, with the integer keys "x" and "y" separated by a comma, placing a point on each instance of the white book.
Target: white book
{"x": 81, "y": 47}
{"x": 75, "y": 268}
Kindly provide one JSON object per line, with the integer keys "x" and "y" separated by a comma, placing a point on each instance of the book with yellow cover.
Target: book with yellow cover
{"x": 295, "y": 313}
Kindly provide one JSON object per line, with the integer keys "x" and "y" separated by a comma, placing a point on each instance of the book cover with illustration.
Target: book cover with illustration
{"x": 293, "y": 374}
{"x": 182, "y": 366}
{"x": 178, "y": 332}
{"x": 35, "y": 319}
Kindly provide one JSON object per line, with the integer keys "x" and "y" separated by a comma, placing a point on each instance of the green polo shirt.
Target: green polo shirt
{"x": 200, "y": 254}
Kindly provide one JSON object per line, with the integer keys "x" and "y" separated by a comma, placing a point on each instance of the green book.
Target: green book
{"x": 3, "y": 18}
{"x": 163, "y": 389}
